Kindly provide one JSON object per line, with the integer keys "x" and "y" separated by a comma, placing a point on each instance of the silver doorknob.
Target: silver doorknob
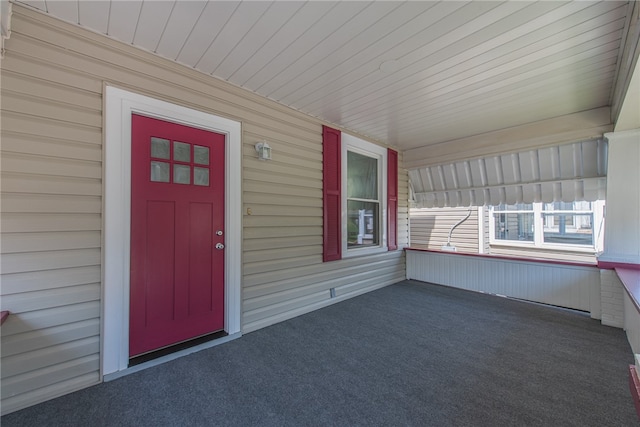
{"x": 219, "y": 246}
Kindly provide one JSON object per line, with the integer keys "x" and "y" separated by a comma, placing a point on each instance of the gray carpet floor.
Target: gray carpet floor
{"x": 411, "y": 354}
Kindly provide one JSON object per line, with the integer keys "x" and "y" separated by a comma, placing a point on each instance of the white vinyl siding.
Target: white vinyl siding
{"x": 52, "y": 111}
{"x": 430, "y": 228}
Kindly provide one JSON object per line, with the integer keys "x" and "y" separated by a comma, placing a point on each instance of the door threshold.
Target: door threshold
{"x": 156, "y": 354}
{"x": 175, "y": 354}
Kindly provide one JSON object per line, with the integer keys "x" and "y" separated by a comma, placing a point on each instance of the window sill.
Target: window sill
{"x": 353, "y": 253}
{"x": 550, "y": 247}
{"x": 507, "y": 258}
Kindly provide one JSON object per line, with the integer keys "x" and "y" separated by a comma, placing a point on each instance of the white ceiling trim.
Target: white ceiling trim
{"x": 567, "y": 173}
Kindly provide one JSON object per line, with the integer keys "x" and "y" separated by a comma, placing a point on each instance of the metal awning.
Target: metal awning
{"x": 568, "y": 172}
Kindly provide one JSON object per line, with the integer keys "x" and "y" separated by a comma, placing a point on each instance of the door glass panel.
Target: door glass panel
{"x": 159, "y": 172}
{"x": 181, "y": 174}
{"x": 200, "y": 155}
{"x": 159, "y": 148}
{"x": 201, "y": 176}
{"x": 181, "y": 152}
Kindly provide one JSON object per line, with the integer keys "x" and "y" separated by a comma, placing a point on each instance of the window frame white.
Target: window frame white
{"x": 597, "y": 212}
{"x": 360, "y": 146}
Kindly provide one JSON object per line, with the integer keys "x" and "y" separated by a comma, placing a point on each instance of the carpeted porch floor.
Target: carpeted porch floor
{"x": 411, "y": 354}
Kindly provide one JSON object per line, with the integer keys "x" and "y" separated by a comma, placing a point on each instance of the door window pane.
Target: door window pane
{"x": 362, "y": 176}
{"x": 200, "y": 155}
{"x": 362, "y": 224}
{"x": 159, "y": 148}
{"x": 159, "y": 172}
{"x": 181, "y": 174}
{"x": 181, "y": 152}
{"x": 201, "y": 176}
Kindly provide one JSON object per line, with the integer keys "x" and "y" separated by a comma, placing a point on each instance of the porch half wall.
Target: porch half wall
{"x": 560, "y": 284}
{"x": 53, "y": 75}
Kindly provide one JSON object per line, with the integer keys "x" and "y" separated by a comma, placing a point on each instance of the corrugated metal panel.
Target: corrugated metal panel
{"x": 52, "y": 196}
{"x": 561, "y": 285}
{"x": 568, "y": 172}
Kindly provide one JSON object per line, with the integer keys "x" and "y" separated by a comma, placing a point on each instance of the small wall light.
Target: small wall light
{"x": 264, "y": 151}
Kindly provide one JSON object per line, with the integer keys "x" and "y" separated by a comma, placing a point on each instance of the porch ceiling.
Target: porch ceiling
{"x": 411, "y": 74}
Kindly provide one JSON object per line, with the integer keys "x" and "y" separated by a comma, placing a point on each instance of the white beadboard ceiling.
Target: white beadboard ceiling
{"x": 410, "y": 74}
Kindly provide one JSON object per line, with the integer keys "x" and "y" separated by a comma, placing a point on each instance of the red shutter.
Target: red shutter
{"x": 392, "y": 199}
{"x": 331, "y": 192}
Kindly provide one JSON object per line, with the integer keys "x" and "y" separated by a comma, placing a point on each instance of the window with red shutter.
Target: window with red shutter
{"x": 360, "y": 184}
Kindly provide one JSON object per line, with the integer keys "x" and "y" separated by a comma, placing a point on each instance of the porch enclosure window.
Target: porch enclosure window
{"x": 568, "y": 223}
{"x": 514, "y": 222}
{"x": 558, "y": 224}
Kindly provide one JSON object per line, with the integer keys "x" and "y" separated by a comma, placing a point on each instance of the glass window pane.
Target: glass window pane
{"x": 159, "y": 172}
{"x": 181, "y": 174}
{"x": 200, "y": 155}
{"x": 568, "y": 206}
{"x": 159, "y": 148}
{"x": 201, "y": 176}
{"x": 181, "y": 152}
{"x": 516, "y": 207}
{"x": 572, "y": 229}
{"x": 512, "y": 226}
{"x": 362, "y": 224}
{"x": 362, "y": 176}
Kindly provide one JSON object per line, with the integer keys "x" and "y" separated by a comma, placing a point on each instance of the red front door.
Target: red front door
{"x": 177, "y": 220}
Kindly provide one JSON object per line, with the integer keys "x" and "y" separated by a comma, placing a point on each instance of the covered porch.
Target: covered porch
{"x": 445, "y": 103}
{"x": 401, "y": 355}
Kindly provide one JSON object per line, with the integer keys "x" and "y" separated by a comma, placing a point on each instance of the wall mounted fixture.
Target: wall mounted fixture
{"x": 264, "y": 151}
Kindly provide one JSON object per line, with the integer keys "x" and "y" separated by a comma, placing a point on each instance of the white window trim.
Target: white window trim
{"x": 119, "y": 105}
{"x": 352, "y": 143}
{"x": 538, "y": 230}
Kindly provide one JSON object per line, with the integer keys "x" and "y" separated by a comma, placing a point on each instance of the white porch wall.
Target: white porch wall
{"x": 622, "y": 233}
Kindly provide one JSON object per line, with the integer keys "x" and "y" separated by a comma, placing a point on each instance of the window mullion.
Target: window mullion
{"x": 538, "y": 224}
{"x": 355, "y": 199}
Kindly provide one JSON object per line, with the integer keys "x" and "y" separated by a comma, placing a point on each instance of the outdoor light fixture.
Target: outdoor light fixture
{"x": 264, "y": 151}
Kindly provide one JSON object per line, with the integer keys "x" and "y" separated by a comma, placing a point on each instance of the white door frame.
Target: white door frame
{"x": 119, "y": 105}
